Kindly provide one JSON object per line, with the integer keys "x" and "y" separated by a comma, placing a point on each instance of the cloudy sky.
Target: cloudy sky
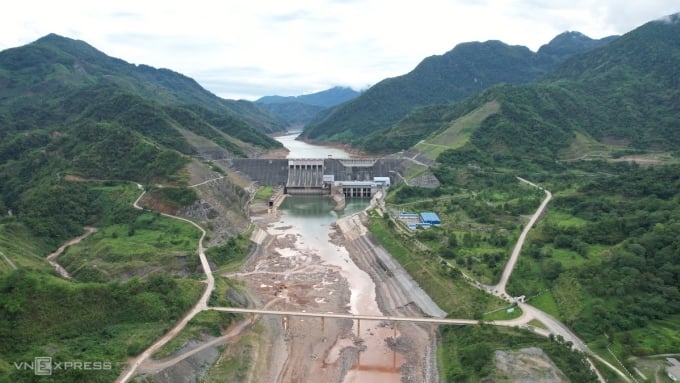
{"x": 252, "y": 48}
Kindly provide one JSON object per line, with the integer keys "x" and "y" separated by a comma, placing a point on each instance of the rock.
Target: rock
{"x": 528, "y": 365}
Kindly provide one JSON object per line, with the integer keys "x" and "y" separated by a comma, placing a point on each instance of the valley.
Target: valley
{"x": 306, "y": 266}
{"x": 496, "y": 214}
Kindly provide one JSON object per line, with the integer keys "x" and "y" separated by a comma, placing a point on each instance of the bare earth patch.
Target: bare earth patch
{"x": 528, "y": 365}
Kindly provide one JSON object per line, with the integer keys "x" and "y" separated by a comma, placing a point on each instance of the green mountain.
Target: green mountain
{"x": 603, "y": 257}
{"x": 325, "y": 99}
{"x": 77, "y": 128}
{"x": 67, "y": 108}
{"x": 620, "y": 98}
{"x": 465, "y": 70}
{"x": 55, "y": 64}
{"x": 571, "y": 43}
{"x": 300, "y": 110}
{"x": 294, "y": 113}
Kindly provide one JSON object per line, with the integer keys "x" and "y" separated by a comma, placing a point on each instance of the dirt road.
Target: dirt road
{"x": 499, "y": 288}
{"x": 52, "y": 257}
{"x": 201, "y": 305}
{"x": 9, "y": 261}
{"x": 553, "y": 325}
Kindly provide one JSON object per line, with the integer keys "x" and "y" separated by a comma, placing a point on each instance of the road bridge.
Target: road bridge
{"x": 385, "y": 318}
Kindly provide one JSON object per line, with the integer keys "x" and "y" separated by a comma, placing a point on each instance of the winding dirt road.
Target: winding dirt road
{"x": 553, "y": 325}
{"x": 529, "y": 312}
{"x": 201, "y": 305}
{"x": 52, "y": 257}
{"x": 499, "y": 288}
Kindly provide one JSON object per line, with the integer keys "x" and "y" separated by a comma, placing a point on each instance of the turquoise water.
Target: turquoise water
{"x": 313, "y": 215}
{"x": 319, "y": 207}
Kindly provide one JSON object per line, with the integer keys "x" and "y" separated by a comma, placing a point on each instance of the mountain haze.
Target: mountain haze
{"x": 326, "y": 98}
{"x": 299, "y": 110}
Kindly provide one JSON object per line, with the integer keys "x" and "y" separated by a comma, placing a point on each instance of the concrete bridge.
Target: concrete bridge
{"x": 386, "y": 318}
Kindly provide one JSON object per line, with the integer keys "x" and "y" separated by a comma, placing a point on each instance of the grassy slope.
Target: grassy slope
{"x": 458, "y": 133}
{"x": 447, "y": 288}
{"x": 17, "y": 243}
{"x": 150, "y": 243}
{"x": 42, "y": 314}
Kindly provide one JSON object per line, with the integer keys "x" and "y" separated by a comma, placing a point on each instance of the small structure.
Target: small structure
{"x": 383, "y": 181}
{"x": 430, "y": 218}
{"x": 357, "y": 189}
{"x": 673, "y": 369}
{"x": 422, "y": 220}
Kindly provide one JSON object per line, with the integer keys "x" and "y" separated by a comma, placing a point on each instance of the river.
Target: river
{"x": 300, "y": 149}
{"x": 311, "y": 218}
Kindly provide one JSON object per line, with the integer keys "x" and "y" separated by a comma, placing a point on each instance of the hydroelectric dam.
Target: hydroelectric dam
{"x": 354, "y": 177}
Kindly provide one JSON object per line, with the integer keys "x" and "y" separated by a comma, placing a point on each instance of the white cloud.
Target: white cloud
{"x": 256, "y": 48}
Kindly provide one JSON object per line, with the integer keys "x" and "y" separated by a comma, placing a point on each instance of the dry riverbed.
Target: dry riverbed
{"x": 336, "y": 277}
{"x": 338, "y": 273}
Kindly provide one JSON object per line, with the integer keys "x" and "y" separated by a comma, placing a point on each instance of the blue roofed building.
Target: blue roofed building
{"x": 430, "y": 218}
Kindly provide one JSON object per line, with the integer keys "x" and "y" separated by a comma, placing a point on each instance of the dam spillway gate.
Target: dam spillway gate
{"x": 355, "y": 178}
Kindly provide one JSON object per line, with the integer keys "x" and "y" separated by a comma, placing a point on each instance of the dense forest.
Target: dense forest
{"x": 624, "y": 93}
{"x": 79, "y": 131}
{"x": 468, "y": 353}
{"x": 467, "y": 69}
{"x": 609, "y": 257}
{"x": 84, "y": 321}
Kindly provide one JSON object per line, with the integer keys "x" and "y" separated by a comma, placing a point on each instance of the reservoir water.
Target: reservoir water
{"x": 311, "y": 219}
{"x": 300, "y": 149}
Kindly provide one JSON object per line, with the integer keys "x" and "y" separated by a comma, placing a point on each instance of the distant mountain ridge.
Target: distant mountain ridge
{"x": 325, "y": 99}
{"x": 465, "y": 70}
{"x": 297, "y": 111}
{"x": 570, "y": 43}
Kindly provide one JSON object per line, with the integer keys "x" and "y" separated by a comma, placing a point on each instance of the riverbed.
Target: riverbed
{"x": 310, "y": 220}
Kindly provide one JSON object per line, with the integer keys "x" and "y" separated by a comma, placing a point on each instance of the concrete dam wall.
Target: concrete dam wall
{"x": 306, "y": 176}
{"x": 272, "y": 172}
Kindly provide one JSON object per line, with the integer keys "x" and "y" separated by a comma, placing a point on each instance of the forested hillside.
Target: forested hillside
{"x": 77, "y": 129}
{"x": 465, "y": 70}
{"x": 601, "y": 133}
{"x": 54, "y": 64}
{"x": 616, "y": 100}
{"x": 68, "y": 109}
